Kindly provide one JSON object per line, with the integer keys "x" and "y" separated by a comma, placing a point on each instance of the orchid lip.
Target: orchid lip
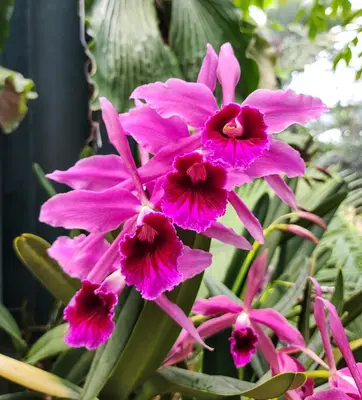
{"x": 233, "y": 129}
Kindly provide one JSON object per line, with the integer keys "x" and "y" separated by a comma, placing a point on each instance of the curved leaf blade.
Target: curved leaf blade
{"x": 9, "y": 325}
{"x": 32, "y": 250}
{"x": 36, "y": 379}
{"x": 50, "y": 344}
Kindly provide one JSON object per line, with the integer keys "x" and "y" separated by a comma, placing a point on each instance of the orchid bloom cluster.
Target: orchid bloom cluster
{"x": 200, "y": 153}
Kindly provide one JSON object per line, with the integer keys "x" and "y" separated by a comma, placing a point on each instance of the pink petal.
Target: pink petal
{"x": 278, "y": 160}
{"x": 228, "y": 72}
{"x": 217, "y": 324}
{"x": 226, "y": 235}
{"x": 92, "y": 211}
{"x": 207, "y": 74}
{"x": 194, "y": 102}
{"x": 320, "y": 319}
{"x": 90, "y": 316}
{"x": 331, "y": 394}
{"x": 235, "y": 136}
{"x": 114, "y": 282}
{"x": 299, "y": 231}
{"x": 282, "y": 190}
{"x": 342, "y": 342}
{"x": 193, "y": 192}
{"x": 248, "y": 219}
{"x": 161, "y": 163}
{"x": 344, "y": 381}
{"x": 284, "y": 108}
{"x": 237, "y": 177}
{"x": 93, "y": 173}
{"x": 256, "y": 277}
{"x": 119, "y": 140}
{"x": 193, "y": 261}
{"x": 268, "y": 350}
{"x": 79, "y": 255}
{"x": 216, "y": 305}
{"x": 243, "y": 342}
{"x": 278, "y": 324}
{"x": 152, "y": 131}
{"x": 313, "y": 218}
{"x": 149, "y": 256}
{"x": 176, "y": 313}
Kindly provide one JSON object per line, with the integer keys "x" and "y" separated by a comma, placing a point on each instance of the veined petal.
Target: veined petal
{"x": 216, "y": 324}
{"x": 194, "y": 192}
{"x": 79, "y": 255}
{"x": 149, "y": 256}
{"x": 279, "y": 159}
{"x": 255, "y": 278}
{"x": 95, "y": 173}
{"x": 216, "y": 305}
{"x": 226, "y": 235}
{"x": 284, "y": 108}
{"x": 228, "y": 73}
{"x": 119, "y": 140}
{"x": 330, "y": 394}
{"x": 193, "y": 102}
{"x": 243, "y": 343}
{"x": 90, "y": 315}
{"x": 92, "y": 211}
{"x": 193, "y": 261}
{"x": 282, "y": 190}
{"x": 342, "y": 342}
{"x": 207, "y": 74}
{"x": 151, "y": 130}
{"x": 278, "y": 324}
{"x": 237, "y": 177}
{"x": 176, "y": 313}
{"x": 248, "y": 219}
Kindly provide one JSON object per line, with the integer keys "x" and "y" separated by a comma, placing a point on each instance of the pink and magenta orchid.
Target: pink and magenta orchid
{"x": 239, "y": 137}
{"x": 90, "y": 312}
{"x": 345, "y": 383}
{"x": 246, "y": 320}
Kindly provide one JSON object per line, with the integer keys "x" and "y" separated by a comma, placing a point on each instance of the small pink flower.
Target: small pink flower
{"x": 236, "y": 135}
{"x": 243, "y": 343}
{"x": 193, "y": 194}
{"x": 149, "y": 256}
{"x": 90, "y": 316}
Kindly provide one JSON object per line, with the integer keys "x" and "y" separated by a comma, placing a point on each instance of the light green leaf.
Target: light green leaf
{"x": 128, "y": 48}
{"x": 36, "y": 379}
{"x": 50, "y": 344}
{"x": 15, "y": 91}
{"x": 32, "y": 250}
{"x": 9, "y": 325}
{"x": 21, "y": 396}
{"x": 207, "y": 387}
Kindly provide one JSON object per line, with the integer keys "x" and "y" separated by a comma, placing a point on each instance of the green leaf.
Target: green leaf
{"x": 79, "y": 370}
{"x": 36, "y": 379}
{"x": 216, "y": 288}
{"x": 127, "y": 56}
{"x": 353, "y": 308}
{"x": 9, "y": 325}
{"x": 15, "y": 91}
{"x": 50, "y": 344}
{"x": 338, "y": 295}
{"x": 32, "y": 250}
{"x": 194, "y": 23}
{"x": 207, "y": 387}
{"x": 6, "y": 9}
{"x": 108, "y": 356}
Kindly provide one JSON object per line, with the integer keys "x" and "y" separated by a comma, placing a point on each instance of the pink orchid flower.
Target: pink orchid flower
{"x": 345, "y": 383}
{"x": 150, "y": 250}
{"x": 90, "y": 312}
{"x": 247, "y": 321}
{"x": 239, "y": 137}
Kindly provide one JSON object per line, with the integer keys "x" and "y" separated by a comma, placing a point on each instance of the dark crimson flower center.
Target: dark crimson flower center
{"x": 147, "y": 234}
{"x": 245, "y": 339}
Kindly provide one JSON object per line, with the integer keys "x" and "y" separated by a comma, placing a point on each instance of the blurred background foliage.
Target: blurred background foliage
{"x": 313, "y": 47}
